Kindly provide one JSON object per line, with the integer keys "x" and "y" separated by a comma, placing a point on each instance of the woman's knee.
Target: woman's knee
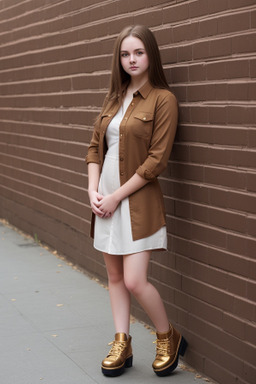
{"x": 134, "y": 285}
{"x": 115, "y": 276}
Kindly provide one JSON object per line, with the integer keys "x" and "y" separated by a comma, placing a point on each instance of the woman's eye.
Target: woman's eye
{"x": 139, "y": 53}
{"x": 124, "y": 54}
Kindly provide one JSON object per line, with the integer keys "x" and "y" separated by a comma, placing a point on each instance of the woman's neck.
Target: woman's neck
{"x": 136, "y": 84}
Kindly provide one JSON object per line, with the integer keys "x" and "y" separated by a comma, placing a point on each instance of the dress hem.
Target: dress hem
{"x": 132, "y": 252}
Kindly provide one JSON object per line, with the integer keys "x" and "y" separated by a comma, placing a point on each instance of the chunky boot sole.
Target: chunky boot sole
{"x": 112, "y": 372}
{"x": 168, "y": 370}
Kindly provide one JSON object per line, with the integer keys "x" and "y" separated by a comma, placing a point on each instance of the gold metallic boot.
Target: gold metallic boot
{"x": 168, "y": 348}
{"x": 119, "y": 356}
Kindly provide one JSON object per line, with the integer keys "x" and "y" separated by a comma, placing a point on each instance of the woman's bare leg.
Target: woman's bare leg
{"x": 135, "y": 278}
{"x": 119, "y": 294}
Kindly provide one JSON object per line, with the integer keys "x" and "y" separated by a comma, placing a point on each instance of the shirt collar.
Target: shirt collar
{"x": 145, "y": 89}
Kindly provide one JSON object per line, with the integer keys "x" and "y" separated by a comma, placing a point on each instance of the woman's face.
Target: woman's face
{"x": 134, "y": 58}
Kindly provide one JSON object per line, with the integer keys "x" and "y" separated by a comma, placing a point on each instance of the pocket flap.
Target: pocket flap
{"x": 144, "y": 116}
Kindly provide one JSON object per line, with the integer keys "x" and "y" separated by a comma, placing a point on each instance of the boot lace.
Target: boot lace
{"x": 117, "y": 348}
{"x": 163, "y": 347}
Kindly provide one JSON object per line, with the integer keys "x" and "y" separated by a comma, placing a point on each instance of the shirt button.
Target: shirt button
{"x": 109, "y": 115}
{"x": 126, "y": 118}
{"x": 132, "y": 104}
{"x": 144, "y": 118}
{"x": 121, "y": 158}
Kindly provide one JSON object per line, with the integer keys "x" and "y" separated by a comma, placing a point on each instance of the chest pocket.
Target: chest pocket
{"x": 104, "y": 121}
{"x": 143, "y": 124}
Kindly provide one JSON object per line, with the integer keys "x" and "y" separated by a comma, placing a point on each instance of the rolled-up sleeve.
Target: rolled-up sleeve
{"x": 165, "y": 125}
{"x": 93, "y": 150}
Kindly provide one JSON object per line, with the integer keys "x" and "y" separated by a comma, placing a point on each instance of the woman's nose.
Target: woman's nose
{"x": 132, "y": 58}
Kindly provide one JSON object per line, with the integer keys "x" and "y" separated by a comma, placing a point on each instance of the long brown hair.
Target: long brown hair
{"x": 119, "y": 77}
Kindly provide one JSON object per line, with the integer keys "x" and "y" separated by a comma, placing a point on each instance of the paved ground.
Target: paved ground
{"x": 55, "y": 322}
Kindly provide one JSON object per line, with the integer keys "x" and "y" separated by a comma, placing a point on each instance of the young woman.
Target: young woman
{"x": 130, "y": 147}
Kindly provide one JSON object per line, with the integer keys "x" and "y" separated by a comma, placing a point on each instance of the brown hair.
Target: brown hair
{"x": 119, "y": 77}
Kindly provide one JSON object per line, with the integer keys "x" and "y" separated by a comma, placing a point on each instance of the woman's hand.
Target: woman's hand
{"x": 95, "y": 199}
{"x": 108, "y": 204}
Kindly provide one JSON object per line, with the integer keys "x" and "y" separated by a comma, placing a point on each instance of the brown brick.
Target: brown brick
{"x": 238, "y": 91}
{"x": 168, "y": 55}
{"x": 234, "y": 23}
{"x": 199, "y": 114}
{"x": 225, "y": 177}
{"x": 179, "y": 74}
{"x": 245, "y": 202}
{"x": 183, "y": 265}
{"x": 250, "y": 333}
{"x": 238, "y": 68}
{"x": 166, "y": 275}
{"x": 207, "y": 312}
{"x": 196, "y": 93}
{"x": 217, "y": 6}
{"x": 201, "y": 50}
{"x": 180, "y": 92}
{"x": 244, "y": 308}
{"x": 164, "y": 36}
{"x": 209, "y": 235}
{"x": 251, "y": 181}
{"x": 179, "y": 227}
{"x": 184, "y": 53}
{"x": 218, "y": 373}
{"x": 185, "y": 32}
{"x": 209, "y": 275}
{"x": 182, "y": 209}
{"x": 220, "y": 47}
{"x": 175, "y": 13}
{"x": 238, "y": 115}
{"x": 180, "y": 152}
{"x": 208, "y": 27}
{"x": 184, "y": 113}
{"x": 207, "y": 293}
{"x": 249, "y": 372}
{"x": 152, "y": 18}
{"x": 216, "y": 70}
{"x": 197, "y": 72}
{"x": 190, "y": 172}
{"x": 234, "y": 325}
{"x": 198, "y": 8}
{"x": 199, "y": 193}
{"x": 223, "y": 219}
{"x": 240, "y": 3}
{"x": 237, "y": 285}
{"x": 251, "y": 291}
{"x": 218, "y": 115}
{"x": 251, "y": 226}
{"x": 200, "y": 213}
{"x": 243, "y": 44}
{"x": 253, "y": 19}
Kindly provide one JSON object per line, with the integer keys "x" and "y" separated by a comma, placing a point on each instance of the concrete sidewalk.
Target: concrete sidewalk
{"x": 55, "y": 322}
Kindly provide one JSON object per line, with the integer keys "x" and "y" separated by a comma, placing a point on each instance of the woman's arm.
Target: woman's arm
{"x": 109, "y": 203}
{"x": 93, "y": 183}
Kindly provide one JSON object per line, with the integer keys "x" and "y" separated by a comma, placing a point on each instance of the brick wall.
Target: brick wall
{"x": 54, "y": 72}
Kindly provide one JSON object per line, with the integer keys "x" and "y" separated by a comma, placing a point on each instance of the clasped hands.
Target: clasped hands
{"x": 103, "y": 206}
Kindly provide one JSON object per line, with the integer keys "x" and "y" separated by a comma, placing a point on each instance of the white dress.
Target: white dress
{"x": 113, "y": 235}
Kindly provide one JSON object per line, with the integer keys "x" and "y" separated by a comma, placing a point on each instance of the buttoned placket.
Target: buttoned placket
{"x": 123, "y": 124}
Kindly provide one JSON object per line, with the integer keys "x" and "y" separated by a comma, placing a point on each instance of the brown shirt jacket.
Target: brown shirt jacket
{"x": 146, "y": 138}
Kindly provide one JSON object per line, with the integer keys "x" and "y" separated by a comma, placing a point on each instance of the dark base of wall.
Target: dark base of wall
{"x": 75, "y": 246}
